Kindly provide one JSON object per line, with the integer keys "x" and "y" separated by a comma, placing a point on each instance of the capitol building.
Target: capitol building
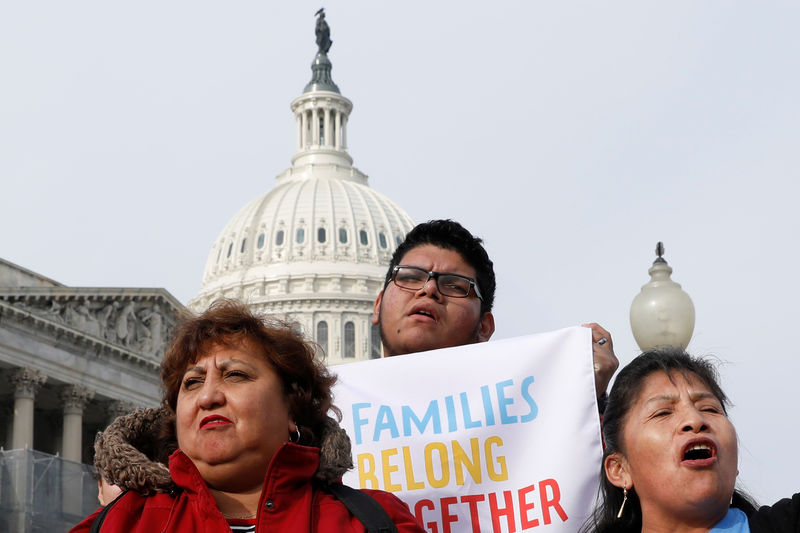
{"x": 316, "y": 247}
{"x": 313, "y": 250}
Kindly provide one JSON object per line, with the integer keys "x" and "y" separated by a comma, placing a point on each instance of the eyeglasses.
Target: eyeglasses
{"x": 453, "y": 285}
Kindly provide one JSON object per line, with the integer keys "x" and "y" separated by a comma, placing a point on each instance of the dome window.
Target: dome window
{"x": 362, "y": 235}
{"x": 260, "y": 242}
{"x": 230, "y": 249}
{"x": 279, "y": 238}
{"x": 244, "y": 242}
{"x": 321, "y": 235}
{"x": 300, "y": 236}
{"x": 398, "y": 240}
{"x": 382, "y": 239}
{"x": 343, "y": 235}
{"x": 322, "y": 336}
{"x": 219, "y": 254}
{"x": 349, "y": 340}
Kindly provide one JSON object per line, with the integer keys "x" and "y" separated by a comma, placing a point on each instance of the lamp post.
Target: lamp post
{"x": 662, "y": 314}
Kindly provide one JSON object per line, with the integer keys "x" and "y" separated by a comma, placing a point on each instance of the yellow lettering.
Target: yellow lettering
{"x": 460, "y": 460}
{"x": 494, "y": 475}
{"x": 388, "y": 470}
{"x": 444, "y": 463}
{"x": 366, "y": 471}
{"x": 411, "y": 483}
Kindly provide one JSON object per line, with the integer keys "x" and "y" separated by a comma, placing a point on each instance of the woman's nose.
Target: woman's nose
{"x": 694, "y": 421}
{"x": 211, "y": 396}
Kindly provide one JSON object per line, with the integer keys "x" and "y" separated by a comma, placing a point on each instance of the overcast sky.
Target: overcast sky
{"x": 572, "y": 136}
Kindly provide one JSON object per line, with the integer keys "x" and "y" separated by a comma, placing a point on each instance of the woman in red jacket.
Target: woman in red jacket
{"x": 246, "y": 430}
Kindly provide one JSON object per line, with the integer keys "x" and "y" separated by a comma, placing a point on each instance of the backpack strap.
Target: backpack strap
{"x": 364, "y": 507}
{"x": 98, "y": 522}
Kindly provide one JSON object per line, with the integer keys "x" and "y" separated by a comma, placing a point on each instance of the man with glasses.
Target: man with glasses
{"x": 439, "y": 292}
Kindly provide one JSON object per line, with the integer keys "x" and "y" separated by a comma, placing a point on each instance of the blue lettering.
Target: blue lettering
{"x": 526, "y": 395}
{"x": 358, "y": 421}
{"x": 502, "y": 402}
{"x": 385, "y": 420}
{"x": 452, "y": 423}
{"x": 431, "y": 415}
{"x": 468, "y": 422}
{"x": 487, "y": 405}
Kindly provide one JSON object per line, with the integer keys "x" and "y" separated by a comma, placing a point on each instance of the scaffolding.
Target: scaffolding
{"x": 42, "y": 493}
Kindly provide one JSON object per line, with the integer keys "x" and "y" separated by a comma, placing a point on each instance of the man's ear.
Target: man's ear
{"x": 486, "y": 327}
{"x": 376, "y": 310}
{"x": 617, "y": 470}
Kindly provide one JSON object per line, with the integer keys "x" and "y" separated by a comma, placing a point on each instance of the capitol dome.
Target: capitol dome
{"x": 315, "y": 248}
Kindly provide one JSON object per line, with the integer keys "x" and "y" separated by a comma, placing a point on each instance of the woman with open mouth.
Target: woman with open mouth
{"x": 671, "y": 456}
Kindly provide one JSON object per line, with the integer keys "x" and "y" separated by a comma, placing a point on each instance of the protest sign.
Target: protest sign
{"x": 499, "y": 436}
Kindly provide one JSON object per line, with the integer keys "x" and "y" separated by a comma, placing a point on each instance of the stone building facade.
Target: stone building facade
{"x": 71, "y": 360}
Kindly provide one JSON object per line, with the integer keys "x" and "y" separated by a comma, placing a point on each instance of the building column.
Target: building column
{"x": 26, "y": 383}
{"x": 299, "y": 118}
{"x": 304, "y": 119}
{"x": 117, "y": 408}
{"x": 338, "y": 133}
{"x": 75, "y": 398}
{"x": 327, "y": 127}
{"x": 344, "y": 133}
{"x": 314, "y": 127}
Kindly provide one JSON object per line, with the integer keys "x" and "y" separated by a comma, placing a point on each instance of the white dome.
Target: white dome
{"x": 315, "y": 248}
{"x": 308, "y": 225}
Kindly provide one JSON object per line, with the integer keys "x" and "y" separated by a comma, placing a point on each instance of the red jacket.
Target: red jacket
{"x": 290, "y": 501}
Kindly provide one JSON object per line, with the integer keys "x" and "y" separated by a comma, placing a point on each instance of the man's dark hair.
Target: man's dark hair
{"x": 451, "y": 235}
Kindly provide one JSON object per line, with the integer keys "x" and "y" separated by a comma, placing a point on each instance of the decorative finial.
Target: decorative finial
{"x": 660, "y": 250}
{"x": 323, "y": 32}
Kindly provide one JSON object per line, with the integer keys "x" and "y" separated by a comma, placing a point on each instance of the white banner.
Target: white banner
{"x": 498, "y": 436}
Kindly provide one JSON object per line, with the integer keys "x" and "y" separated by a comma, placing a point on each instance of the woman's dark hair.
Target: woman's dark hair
{"x": 627, "y": 386}
{"x": 306, "y": 382}
{"x": 451, "y": 235}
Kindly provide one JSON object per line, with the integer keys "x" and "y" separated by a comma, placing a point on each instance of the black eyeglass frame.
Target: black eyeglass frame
{"x": 435, "y": 276}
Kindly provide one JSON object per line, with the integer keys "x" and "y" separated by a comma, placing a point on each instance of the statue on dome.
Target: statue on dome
{"x": 323, "y": 32}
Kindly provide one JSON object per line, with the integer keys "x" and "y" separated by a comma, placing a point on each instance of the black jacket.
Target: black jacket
{"x": 783, "y": 517}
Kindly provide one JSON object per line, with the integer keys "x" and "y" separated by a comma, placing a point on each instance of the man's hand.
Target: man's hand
{"x": 605, "y": 362}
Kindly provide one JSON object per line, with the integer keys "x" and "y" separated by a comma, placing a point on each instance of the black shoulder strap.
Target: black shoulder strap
{"x": 364, "y": 507}
{"x": 98, "y": 522}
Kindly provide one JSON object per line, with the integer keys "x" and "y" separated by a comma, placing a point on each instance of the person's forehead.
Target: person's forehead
{"x": 675, "y": 383}
{"x": 223, "y": 349}
{"x": 432, "y": 257}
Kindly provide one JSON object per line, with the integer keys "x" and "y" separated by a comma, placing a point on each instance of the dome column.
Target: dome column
{"x": 314, "y": 127}
{"x": 299, "y": 132}
{"x": 327, "y": 127}
{"x": 304, "y": 135}
{"x": 338, "y": 132}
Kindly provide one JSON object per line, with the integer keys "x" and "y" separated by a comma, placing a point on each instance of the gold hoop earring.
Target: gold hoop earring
{"x": 296, "y": 435}
{"x": 624, "y": 499}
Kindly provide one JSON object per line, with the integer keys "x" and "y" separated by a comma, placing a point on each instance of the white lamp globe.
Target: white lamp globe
{"x": 662, "y": 314}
